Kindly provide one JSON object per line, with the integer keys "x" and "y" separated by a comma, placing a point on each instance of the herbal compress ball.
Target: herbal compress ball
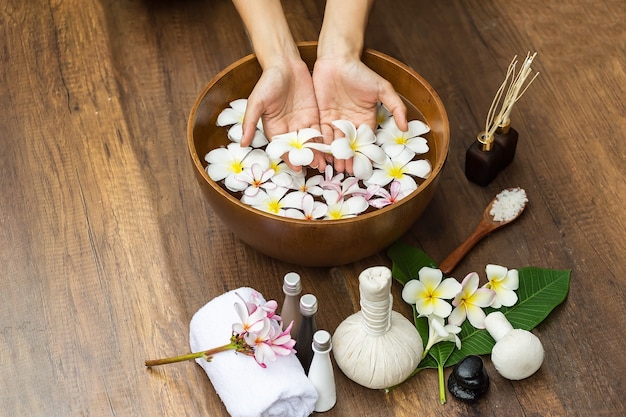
{"x": 517, "y": 353}
{"x": 377, "y": 347}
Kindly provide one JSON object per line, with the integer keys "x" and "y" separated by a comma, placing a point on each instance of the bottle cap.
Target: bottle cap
{"x": 322, "y": 340}
{"x": 308, "y": 305}
{"x": 292, "y": 284}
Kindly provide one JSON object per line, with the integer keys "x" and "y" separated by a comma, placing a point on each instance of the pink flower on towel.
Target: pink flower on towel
{"x": 260, "y": 331}
{"x": 272, "y": 341}
{"x": 259, "y": 334}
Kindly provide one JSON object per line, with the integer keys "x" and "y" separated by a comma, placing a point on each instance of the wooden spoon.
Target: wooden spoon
{"x": 486, "y": 226}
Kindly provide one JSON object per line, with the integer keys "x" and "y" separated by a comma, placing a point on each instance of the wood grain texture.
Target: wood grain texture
{"x": 107, "y": 247}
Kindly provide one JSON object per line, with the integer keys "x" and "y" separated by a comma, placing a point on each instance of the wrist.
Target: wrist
{"x": 268, "y": 30}
{"x": 341, "y": 37}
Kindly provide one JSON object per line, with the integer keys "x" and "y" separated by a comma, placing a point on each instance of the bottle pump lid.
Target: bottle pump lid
{"x": 292, "y": 284}
{"x": 308, "y": 305}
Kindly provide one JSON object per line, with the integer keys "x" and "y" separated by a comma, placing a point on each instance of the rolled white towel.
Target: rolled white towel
{"x": 245, "y": 388}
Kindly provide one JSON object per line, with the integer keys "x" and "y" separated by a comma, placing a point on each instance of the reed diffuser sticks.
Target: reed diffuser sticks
{"x": 495, "y": 147}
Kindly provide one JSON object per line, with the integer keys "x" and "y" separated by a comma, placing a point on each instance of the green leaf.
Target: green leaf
{"x": 407, "y": 260}
{"x": 540, "y": 291}
{"x": 429, "y": 362}
{"x": 442, "y": 351}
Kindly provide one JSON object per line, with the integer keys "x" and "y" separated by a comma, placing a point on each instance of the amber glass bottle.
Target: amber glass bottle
{"x": 506, "y": 137}
{"x": 483, "y": 159}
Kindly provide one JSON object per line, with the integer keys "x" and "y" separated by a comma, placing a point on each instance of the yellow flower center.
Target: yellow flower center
{"x": 400, "y": 140}
{"x": 396, "y": 172}
{"x": 236, "y": 167}
{"x": 273, "y": 207}
{"x": 334, "y": 214}
{"x": 295, "y": 144}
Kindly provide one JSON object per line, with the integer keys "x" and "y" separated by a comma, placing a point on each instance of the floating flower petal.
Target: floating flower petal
{"x": 269, "y": 201}
{"x": 226, "y": 163}
{"x": 400, "y": 168}
{"x": 394, "y": 141}
{"x": 297, "y": 145}
{"x": 360, "y": 144}
{"x": 344, "y": 209}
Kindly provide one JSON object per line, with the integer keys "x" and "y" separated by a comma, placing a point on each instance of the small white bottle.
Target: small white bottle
{"x": 292, "y": 287}
{"x": 321, "y": 372}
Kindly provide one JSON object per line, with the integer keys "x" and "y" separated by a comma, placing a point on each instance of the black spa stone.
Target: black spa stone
{"x": 468, "y": 380}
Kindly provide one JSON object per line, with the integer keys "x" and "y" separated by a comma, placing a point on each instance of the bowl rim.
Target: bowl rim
{"x": 435, "y": 170}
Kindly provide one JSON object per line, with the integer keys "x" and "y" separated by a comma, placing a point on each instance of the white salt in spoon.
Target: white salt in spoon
{"x": 509, "y": 205}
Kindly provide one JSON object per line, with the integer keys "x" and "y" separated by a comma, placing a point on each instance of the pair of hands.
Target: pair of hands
{"x": 288, "y": 98}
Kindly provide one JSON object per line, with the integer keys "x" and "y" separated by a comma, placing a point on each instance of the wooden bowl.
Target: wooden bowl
{"x": 319, "y": 242}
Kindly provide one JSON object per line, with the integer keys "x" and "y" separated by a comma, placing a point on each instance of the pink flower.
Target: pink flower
{"x": 251, "y": 321}
{"x": 281, "y": 342}
{"x": 395, "y": 194}
{"x": 334, "y": 193}
{"x": 256, "y": 177}
{"x": 369, "y": 193}
{"x": 270, "y": 342}
{"x": 330, "y": 181}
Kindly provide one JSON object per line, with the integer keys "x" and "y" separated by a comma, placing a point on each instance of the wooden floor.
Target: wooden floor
{"x": 107, "y": 246}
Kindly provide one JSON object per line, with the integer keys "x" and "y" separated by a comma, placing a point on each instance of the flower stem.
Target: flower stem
{"x": 442, "y": 385}
{"x": 207, "y": 354}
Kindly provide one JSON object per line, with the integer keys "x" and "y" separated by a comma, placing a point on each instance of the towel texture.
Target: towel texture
{"x": 245, "y": 388}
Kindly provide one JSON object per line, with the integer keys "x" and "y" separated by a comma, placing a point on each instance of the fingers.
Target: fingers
{"x": 251, "y": 117}
{"x": 319, "y": 161}
{"x": 394, "y": 104}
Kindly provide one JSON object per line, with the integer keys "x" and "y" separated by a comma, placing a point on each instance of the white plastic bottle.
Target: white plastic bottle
{"x": 321, "y": 372}
{"x": 292, "y": 287}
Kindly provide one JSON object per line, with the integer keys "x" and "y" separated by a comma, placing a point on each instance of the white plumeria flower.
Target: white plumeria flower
{"x": 429, "y": 292}
{"x": 383, "y": 115}
{"x": 226, "y": 163}
{"x": 233, "y": 115}
{"x": 269, "y": 201}
{"x": 440, "y": 332}
{"x": 394, "y": 141}
{"x": 283, "y": 175}
{"x": 256, "y": 177}
{"x": 310, "y": 210}
{"x": 268, "y": 183}
{"x": 470, "y": 301}
{"x": 344, "y": 209}
{"x": 310, "y": 185}
{"x": 400, "y": 168}
{"x": 504, "y": 283}
{"x": 235, "y": 134}
{"x": 297, "y": 145}
{"x": 359, "y": 144}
